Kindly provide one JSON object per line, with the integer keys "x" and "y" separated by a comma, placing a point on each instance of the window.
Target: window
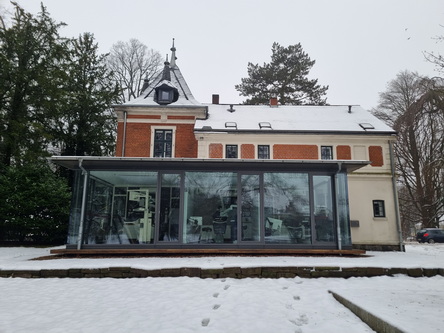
{"x": 231, "y": 151}
{"x": 263, "y": 152}
{"x": 163, "y": 143}
{"x": 378, "y": 208}
{"x": 165, "y": 96}
{"x": 326, "y": 152}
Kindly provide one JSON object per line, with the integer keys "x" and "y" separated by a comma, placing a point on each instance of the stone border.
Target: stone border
{"x": 374, "y": 322}
{"x": 227, "y": 272}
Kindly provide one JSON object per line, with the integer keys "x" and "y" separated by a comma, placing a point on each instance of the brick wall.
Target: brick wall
{"x": 138, "y": 137}
{"x": 186, "y": 143}
{"x": 247, "y": 151}
{"x": 138, "y": 140}
{"x": 375, "y": 155}
{"x": 216, "y": 150}
{"x": 343, "y": 152}
{"x": 295, "y": 152}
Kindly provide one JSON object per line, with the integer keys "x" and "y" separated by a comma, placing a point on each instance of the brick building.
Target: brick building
{"x": 188, "y": 174}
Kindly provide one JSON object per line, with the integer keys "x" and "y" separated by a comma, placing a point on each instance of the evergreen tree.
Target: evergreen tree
{"x": 285, "y": 77}
{"x": 31, "y": 52}
{"x": 34, "y": 205}
{"x": 85, "y": 124}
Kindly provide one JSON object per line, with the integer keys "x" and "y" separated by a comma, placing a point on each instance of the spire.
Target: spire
{"x": 173, "y": 55}
{"x": 166, "y": 70}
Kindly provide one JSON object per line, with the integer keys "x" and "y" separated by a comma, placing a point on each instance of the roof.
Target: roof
{"x": 305, "y": 119}
{"x": 150, "y": 163}
{"x": 173, "y": 75}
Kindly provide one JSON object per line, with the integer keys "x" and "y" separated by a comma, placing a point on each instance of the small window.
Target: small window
{"x": 263, "y": 152}
{"x": 231, "y": 151}
{"x": 378, "y": 208}
{"x": 163, "y": 143}
{"x": 326, "y": 152}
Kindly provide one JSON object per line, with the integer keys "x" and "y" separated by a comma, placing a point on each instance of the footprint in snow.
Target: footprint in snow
{"x": 216, "y": 306}
{"x": 284, "y": 288}
{"x": 226, "y": 287}
{"x": 216, "y": 295}
{"x": 301, "y": 320}
{"x": 296, "y": 298}
{"x": 205, "y": 321}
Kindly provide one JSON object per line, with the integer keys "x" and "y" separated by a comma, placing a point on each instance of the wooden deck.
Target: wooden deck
{"x": 205, "y": 252}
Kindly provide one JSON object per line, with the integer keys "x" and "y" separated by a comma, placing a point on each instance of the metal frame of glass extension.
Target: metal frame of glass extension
{"x": 171, "y": 203}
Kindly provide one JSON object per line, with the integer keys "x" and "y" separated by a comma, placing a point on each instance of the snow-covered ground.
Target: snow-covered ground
{"x": 185, "y": 304}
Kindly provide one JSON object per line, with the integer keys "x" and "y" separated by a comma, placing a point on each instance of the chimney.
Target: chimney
{"x": 273, "y": 102}
{"x": 215, "y": 99}
{"x": 349, "y": 109}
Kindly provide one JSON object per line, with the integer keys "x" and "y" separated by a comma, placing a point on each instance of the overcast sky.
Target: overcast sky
{"x": 358, "y": 46}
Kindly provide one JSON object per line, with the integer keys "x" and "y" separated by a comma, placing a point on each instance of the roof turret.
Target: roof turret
{"x": 168, "y": 88}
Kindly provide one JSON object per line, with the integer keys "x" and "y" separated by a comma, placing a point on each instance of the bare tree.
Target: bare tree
{"x": 414, "y": 107}
{"x": 133, "y": 64}
{"x": 434, "y": 58}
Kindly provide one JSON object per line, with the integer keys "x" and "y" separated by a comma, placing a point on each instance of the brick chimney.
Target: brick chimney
{"x": 215, "y": 99}
{"x": 273, "y": 102}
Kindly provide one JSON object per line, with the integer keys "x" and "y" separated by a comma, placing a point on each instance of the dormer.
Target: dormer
{"x": 166, "y": 93}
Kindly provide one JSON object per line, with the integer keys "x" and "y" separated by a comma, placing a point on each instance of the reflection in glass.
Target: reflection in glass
{"x": 343, "y": 209}
{"x": 250, "y": 204}
{"x": 210, "y": 207}
{"x": 120, "y": 208}
{"x": 287, "y": 208}
{"x": 169, "y": 208}
{"x": 323, "y": 209}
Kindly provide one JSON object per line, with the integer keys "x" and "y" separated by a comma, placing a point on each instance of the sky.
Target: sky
{"x": 358, "y": 45}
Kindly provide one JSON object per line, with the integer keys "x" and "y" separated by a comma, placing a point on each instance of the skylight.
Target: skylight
{"x": 231, "y": 124}
{"x": 264, "y": 125}
{"x": 366, "y": 126}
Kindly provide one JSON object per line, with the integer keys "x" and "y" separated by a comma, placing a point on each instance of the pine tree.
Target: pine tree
{"x": 31, "y": 51}
{"x": 285, "y": 77}
{"x": 86, "y": 124}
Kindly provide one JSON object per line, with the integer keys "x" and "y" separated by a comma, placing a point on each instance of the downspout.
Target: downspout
{"x": 395, "y": 197}
{"x": 82, "y": 210}
{"x": 338, "y": 226}
{"x": 124, "y": 133}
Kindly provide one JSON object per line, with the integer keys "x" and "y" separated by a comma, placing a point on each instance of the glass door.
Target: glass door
{"x": 325, "y": 230}
{"x": 250, "y": 217}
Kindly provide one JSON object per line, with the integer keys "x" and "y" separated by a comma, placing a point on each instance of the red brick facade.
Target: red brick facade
{"x": 295, "y": 152}
{"x": 375, "y": 155}
{"x": 138, "y": 140}
{"x": 216, "y": 150}
{"x": 247, "y": 151}
{"x": 343, "y": 152}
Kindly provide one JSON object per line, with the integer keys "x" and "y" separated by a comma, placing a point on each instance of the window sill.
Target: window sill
{"x": 380, "y": 219}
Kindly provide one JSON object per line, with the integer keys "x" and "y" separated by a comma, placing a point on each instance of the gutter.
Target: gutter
{"x": 395, "y": 197}
{"x": 82, "y": 211}
{"x": 124, "y": 132}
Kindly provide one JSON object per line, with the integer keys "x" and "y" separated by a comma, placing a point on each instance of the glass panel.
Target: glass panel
{"x": 263, "y": 152}
{"x": 120, "y": 208}
{"x": 231, "y": 151}
{"x": 76, "y": 207}
{"x": 326, "y": 152}
{"x": 323, "y": 209}
{"x": 169, "y": 208}
{"x": 210, "y": 205}
{"x": 343, "y": 209}
{"x": 287, "y": 208}
{"x": 98, "y": 212}
{"x": 250, "y": 213}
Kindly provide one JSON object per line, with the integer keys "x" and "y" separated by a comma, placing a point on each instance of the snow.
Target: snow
{"x": 331, "y": 118}
{"x": 186, "y": 304}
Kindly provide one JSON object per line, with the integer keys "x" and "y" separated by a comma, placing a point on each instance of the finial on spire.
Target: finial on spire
{"x": 173, "y": 55}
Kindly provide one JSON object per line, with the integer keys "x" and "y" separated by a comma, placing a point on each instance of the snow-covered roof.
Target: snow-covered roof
{"x": 172, "y": 74}
{"x": 310, "y": 119}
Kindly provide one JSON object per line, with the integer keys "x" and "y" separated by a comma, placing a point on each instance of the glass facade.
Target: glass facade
{"x": 211, "y": 208}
